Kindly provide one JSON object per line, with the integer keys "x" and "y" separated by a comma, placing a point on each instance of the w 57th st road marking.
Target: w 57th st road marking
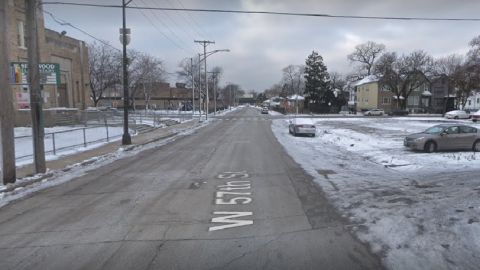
{"x": 232, "y": 194}
{"x": 231, "y": 223}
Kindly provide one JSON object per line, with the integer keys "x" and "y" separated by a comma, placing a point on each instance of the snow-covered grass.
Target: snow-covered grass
{"x": 68, "y": 140}
{"x": 419, "y": 211}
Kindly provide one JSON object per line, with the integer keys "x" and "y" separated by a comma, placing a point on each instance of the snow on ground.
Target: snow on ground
{"x": 68, "y": 140}
{"x": 418, "y": 211}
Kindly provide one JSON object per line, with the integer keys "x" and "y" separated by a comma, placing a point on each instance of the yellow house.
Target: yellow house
{"x": 367, "y": 93}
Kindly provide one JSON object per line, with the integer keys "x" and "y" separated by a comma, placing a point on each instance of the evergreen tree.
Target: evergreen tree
{"x": 317, "y": 79}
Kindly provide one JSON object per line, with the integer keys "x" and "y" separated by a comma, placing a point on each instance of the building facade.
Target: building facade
{"x": 69, "y": 56}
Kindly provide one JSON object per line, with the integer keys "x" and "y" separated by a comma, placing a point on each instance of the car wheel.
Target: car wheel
{"x": 430, "y": 147}
{"x": 474, "y": 120}
{"x": 476, "y": 146}
{"x": 456, "y": 117}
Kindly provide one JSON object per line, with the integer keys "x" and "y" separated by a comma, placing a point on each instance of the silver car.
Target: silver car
{"x": 302, "y": 126}
{"x": 445, "y": 137}
{"x": 374, "y": 112}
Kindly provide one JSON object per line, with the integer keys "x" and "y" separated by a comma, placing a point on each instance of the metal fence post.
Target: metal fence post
{"x": 53, "y": 144}
{"x": 84, "y": 138}
{"x": 106, "y": 128}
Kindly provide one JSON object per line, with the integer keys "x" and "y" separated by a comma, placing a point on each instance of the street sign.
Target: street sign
{"x": 49, "y": 73}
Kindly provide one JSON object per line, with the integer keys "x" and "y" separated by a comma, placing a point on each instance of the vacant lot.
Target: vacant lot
{"x": 420, "y": 211}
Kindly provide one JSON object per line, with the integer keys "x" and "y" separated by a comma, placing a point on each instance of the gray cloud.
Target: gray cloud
{"x": 261, "y": 45}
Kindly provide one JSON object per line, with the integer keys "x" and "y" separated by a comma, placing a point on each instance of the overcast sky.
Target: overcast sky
{"x": 261, "y": 45}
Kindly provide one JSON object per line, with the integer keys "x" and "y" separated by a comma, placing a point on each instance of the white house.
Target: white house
{"x": 473, "y": 102}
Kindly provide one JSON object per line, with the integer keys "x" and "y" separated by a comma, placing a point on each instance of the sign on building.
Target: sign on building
{"x": 49, "y": 73}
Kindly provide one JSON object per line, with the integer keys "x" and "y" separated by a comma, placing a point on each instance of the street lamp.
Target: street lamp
{"x": 207, "y": 54}
{"x": 125, "y": 39}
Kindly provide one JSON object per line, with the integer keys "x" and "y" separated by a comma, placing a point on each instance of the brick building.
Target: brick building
{"x": 68, "y": 55}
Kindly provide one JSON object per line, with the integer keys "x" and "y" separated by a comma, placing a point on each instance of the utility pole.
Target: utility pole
{"x": 193, "y": 87}
{"x": 7, "y": 140}
{"x": 214, "y": 75}
{"x": 126, "y": 139}
{"x": 205, "y": 43}
{"x": 230, "y": 98}
{"x": 36, "y": 101}
{"x": 200, "y": 96}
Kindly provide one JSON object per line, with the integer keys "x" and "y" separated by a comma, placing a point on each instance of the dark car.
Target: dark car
{"x": 445, "y": 137}
{"x": 398, "y": 113}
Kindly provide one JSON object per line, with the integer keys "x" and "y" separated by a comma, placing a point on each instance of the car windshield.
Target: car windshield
{"x": 435, "y": 130}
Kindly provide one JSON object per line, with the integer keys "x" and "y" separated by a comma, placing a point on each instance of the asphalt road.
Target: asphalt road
{"x": 225, "y": 197}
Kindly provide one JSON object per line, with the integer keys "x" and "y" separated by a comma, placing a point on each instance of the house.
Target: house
{"x": 420, "y": 99}
{"x": 473, "y": 102}
{"x": 372, "y": 94}
{"x": 443, "y": 94}
{"x": 63, "y": 63}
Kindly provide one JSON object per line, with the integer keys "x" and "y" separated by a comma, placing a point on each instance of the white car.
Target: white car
{"x": 457, "y": 114}
{"x": 475, "y": 116}
{"x": 302, "y": 126}
{"x": 374, "y": 112}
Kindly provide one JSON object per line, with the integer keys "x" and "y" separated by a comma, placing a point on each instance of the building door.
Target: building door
{"x": 62, "y": 95}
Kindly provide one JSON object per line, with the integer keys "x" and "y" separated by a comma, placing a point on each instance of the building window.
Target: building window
{"x": 413, "y": 101}
{"x": 21, "y": 37}
{"x": 469, "y": 102}
{"x": 386, "y": 101}
{"x": 366, "y": 100}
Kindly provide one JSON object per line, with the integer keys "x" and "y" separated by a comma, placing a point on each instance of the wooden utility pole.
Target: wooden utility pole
{"x": 7, "y": 141}
{"x": 31, "y": 12}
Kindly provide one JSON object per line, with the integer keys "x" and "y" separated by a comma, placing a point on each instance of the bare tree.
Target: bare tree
{"x": 273, "y": 91}
{"x": 104, "y": 68}
{"x": 404, "y": 74}
{"x": 184, "y": 74}
{"x": 337, "y": 80}
{"x": 448, "y": 65}
{"x": 292, "y": 79}
{"x": 366, "y": 54}
{"x": 144, "y": 71}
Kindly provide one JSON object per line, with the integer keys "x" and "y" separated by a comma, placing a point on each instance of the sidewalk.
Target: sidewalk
{"x": 64, "y": 162}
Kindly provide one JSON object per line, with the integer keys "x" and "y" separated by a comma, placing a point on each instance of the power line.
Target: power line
{"x": 189, "y": 19}
{"x": 274, "y": 13}
{"x": 162, "y": 33}
{"x": 65, "y": 23}
{"x": 175, "y": 22}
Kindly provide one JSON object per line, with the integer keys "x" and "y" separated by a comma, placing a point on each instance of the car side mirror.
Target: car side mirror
{"x": 443, "y": 134}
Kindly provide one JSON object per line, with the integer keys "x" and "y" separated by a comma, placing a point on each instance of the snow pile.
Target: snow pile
{"x": 418, "y": 211}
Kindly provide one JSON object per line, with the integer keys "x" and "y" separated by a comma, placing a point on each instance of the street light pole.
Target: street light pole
{"x": 126, "y": 139}
{"x": 193, "y": 87}
{"x": 205, "y": 44}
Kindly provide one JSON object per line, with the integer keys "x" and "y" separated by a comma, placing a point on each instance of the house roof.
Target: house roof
{"x": 368, "y": 79}
{"x": 296, "y": 97}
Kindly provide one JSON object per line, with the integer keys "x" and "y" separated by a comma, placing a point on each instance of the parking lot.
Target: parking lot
{"x": 415, "y": 208}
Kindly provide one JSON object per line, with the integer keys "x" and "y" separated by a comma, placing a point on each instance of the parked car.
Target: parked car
{"x": 457, "y": 114}
{"x": 445, "y": 137}
{"x": 374, "y": 112}
{"x": 264, "y": 110}
{"x": 302, "y": 126}
{"x": 475, "y": 116}
{"x": 398, "y": 112}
